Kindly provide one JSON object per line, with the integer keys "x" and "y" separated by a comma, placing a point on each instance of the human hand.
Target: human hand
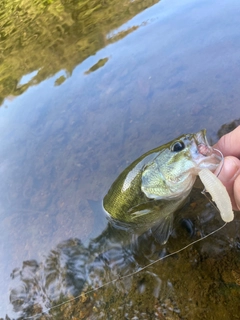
{"x": 229, "y": 145}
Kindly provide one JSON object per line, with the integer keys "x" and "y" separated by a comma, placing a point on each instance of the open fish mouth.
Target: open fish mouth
{"x": 204, "y": 150}
{"x": 203, "y": 146}
{"x": 207, "y": 157}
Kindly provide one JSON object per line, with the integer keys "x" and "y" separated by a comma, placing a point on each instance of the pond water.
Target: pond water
{"x": 86, "y": 87}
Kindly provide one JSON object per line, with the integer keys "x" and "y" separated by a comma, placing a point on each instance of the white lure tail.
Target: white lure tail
{"x": 218, "y": 193}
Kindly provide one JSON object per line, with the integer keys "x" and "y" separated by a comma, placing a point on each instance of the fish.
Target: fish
{"x": 148, "y": 192}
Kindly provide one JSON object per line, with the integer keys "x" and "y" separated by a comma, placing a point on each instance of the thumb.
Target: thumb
{"x": 229, "y": 173}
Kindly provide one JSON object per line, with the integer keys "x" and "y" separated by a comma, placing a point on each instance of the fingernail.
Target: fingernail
{"x": 237, "y": 191}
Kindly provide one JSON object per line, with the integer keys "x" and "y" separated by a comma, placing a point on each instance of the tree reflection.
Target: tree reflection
{"x": 53, "y": 35}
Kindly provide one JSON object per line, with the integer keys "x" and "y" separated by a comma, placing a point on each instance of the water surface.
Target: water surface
{"x": 85, "y": 89}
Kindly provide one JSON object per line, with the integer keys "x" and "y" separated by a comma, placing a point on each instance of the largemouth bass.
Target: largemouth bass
{"x": 147, "y": 193}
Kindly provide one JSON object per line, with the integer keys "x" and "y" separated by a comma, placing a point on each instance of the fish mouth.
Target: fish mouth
{"x": 203, "y": 146}
{"x": 207, "y": 156}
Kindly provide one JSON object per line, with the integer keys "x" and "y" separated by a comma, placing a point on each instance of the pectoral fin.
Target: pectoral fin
{"x": 145, "y": 212}
{"x": 162, "y": 230}
{"x": 153, "y": 215}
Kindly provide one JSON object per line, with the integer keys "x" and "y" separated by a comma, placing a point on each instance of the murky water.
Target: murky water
{"x": 87, "y": 87}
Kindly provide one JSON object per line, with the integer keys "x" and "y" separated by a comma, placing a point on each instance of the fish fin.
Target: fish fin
{"x": 142, "y": 209}
{"x": 140, "y": 213}
{"x": 150, "y": 216}
{"x": 162, "y": 230}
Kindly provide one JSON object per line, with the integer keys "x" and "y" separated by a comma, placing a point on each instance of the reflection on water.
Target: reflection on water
{"x": 99, "y": 64}
{"x": 84, "y": 92}
{"x": 57, "y": 34}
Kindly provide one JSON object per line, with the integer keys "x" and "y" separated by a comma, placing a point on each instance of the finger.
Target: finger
{"x": 228, "y": 174}
{"x": 229, "y": 144}
{"x": 236, "y": 190}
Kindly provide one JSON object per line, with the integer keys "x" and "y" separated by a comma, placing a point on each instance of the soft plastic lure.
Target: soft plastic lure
{"x": 218, "y": 193}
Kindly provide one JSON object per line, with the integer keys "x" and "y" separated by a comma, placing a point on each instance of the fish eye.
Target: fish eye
{"x": 178, "y": 146}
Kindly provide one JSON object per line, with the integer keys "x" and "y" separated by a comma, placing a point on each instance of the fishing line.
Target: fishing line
{"x": 221, "y": 163}
{"x": 130, "y": 274}
{"x": 204, "y": 191}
